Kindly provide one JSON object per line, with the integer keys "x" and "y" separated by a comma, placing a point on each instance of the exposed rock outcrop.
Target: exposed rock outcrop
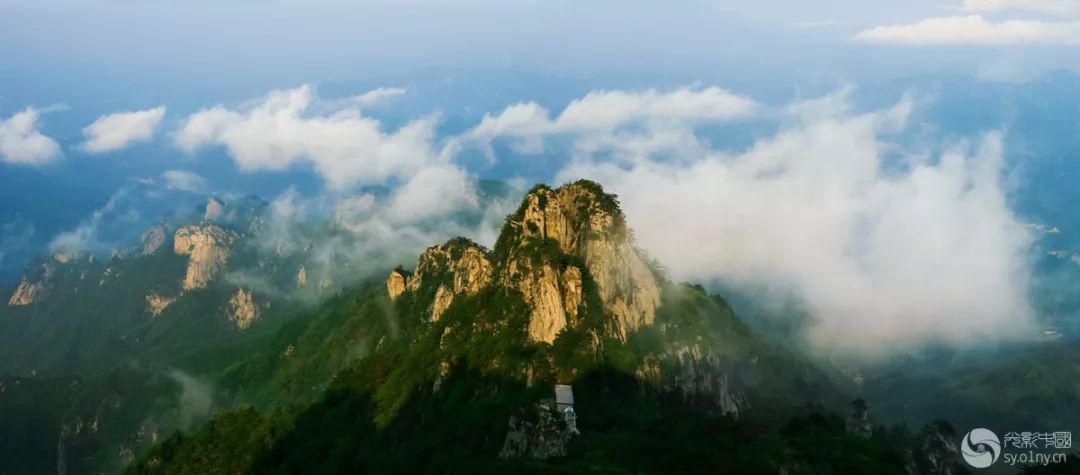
{"x": 586, "y": 223}
{"x": 301, "y": 277}
{"x": 34, "y": 286}
{"x": 64, "y": 257}
{"x": 110, "y": 273}
{"x": 242, "y": 310}
{"x": 553, "y": 295}
{"x": 540, "y": 435}
{"x": 557, "y": 240}
{"x": 155, "y": 303}
{"x": 153, "y": 238}
{"x": 937, "y": 453}
{"x": 702, "y": 377}
{"x": 459, "y": 267}
{"x": 207, "y": 248}
{"x": 396, "y": 283}
{"x": 29, "y": 293}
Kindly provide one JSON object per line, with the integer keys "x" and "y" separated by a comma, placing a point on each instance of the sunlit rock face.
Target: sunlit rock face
{"x": 40, "y": 279}
{"x": 242, "y": 310}
{"x": 459, "y": 267}
{"x": 555, "y": 242}
{"x": 156, "y": 303}
{"x": 207, "y": 248}
{"x": 33, "y": 288}
{"x": 554, "y": 295}
{"x": 585, "y": 223}
{"x": 54, "y": 274}
{"x": 301, "y": 277}
{"x": 396, "y": 283}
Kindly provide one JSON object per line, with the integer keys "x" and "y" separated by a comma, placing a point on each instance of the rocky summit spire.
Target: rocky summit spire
{"x": 459, "y": 267}
{"x": 559, "y": 246}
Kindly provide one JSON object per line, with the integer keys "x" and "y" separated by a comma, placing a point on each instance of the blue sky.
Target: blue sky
{"x": 224, "y": 48}
{"x": 867, "y": 129}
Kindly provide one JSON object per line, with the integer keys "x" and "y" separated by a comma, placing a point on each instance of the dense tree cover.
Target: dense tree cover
{"x": 1022, "y": 389}
{"x": 92, "y": 422}
{"x": 437, "y": 396}
{"x": 459, "y": 428}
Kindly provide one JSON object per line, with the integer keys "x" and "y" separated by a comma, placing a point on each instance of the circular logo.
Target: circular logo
{"x": 980, "y": 448}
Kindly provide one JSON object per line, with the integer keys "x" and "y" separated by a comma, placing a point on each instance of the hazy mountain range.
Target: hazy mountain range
{"x": 295, "y": 358}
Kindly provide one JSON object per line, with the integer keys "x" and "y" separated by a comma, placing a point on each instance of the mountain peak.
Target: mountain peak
{"x": 569, "y": 215}
{"x": 458, "y": 267}
{"x": 562, "y": 247}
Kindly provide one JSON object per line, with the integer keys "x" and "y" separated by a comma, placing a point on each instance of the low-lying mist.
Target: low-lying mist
{"x": 890, "y": 247}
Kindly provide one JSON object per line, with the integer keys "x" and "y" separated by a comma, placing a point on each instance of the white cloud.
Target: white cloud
{"x": 87, "y": 235}
{"x": 183, "y": 180}
{"x": 374, "y": 232}
{"x": 885, "y": 260}
{"x": 21, "y": 143}
{"x": 116, "y": 131}
{"x": 430, "y": 199}
{"x": 1048, "y": 7}
{"x": 433, "y": 191}
{"x": 606, "y": 111}
{"x": 114, "y": 225}
{"x": 376, "y": 96}
{"x": 343, "y": 146}
{"x": 974, "y": 30}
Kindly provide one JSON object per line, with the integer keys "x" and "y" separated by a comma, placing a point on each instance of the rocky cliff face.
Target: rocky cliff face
{"x": 586, "y": 223}
{"x": 557, "y": 241}
{"x": 207, "y": 248}
{"x": 242, "y": 310}
{"x": 155, "y": 303}
{"x": 397, "y": 283}
{"x": 459, "y": 267}
{"x": 937, "y": 454}
{"x": 32, "y": 289}
{"x": 553, "y": 294}
{"x": 540, "y": 434}
{"x": 36, "y": 284}
{"x": 702, "y": 377}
